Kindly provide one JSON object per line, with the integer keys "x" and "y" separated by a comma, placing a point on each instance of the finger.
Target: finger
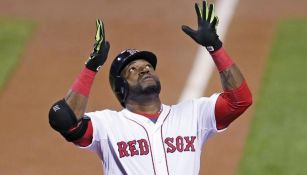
{"x": 205, "y": 10}
{"x": 198, "y": 13}
{"x": 187, "y": 30}
{"x": 98, "y": 36}
{"x": 97, "y": 23}
{"x": 211, "y": 13}
{"x": 100, "y": 27}
{"x": 103, "y": 36}
{"x": 100, "y": 22}
{"x": 98, "y": 30}
{"x": 215, "y": 21}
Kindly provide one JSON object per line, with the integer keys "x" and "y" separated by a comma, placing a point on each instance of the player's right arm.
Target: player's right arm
{"x": 67, "y": 115}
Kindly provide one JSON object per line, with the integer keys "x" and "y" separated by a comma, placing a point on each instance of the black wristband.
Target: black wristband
{"x": 216, "y": 45}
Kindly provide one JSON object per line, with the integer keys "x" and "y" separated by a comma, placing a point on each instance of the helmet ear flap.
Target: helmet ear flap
{"x": 121, "y": 89}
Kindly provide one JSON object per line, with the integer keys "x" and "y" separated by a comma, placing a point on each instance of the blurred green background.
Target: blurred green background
{"x": 13, "y": 36}
{"x": 277, "y": 143}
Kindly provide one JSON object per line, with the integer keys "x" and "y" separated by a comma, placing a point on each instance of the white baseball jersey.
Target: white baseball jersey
{"x": 128, "y": 143}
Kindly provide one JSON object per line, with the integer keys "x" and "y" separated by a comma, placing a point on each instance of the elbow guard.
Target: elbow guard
{"x": 61, "y": 117}
{"x": 64, "y": 120}
{"x": 77, "y": 132}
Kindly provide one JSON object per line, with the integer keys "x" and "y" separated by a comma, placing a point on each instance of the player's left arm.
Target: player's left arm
{"x": 236, "y": 97}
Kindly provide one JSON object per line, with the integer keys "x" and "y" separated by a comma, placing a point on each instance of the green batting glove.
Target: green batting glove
{"x": 101, "y": 49}
{"x": 206, "y": 34}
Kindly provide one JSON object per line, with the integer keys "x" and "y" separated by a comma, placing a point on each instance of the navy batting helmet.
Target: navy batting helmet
{"x": 118, "y": 84}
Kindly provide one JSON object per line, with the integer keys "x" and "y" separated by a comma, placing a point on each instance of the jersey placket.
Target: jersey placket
{"x": 155, "y": 139}
{"x": 158, "y": 151}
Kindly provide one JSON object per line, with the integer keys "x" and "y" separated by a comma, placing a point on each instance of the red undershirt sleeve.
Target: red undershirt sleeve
{"x": 231, "y": 104}
{"x": 86, "y": 139}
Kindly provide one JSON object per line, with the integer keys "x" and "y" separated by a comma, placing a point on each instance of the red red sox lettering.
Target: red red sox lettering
{"x": 141, "y": 146}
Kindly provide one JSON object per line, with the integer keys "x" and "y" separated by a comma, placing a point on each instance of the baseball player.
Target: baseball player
{"x": 147, "y": 136}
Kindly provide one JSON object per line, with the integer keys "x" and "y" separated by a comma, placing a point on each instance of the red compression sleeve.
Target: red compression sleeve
{"x": 84, "y": 82}
{"x": 231, "y": 104}
{"x": 86, "y": 139}
{"x": 221, "y": 59}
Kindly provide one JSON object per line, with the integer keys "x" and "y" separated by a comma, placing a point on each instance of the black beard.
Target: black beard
{"x": 149, "y": 90}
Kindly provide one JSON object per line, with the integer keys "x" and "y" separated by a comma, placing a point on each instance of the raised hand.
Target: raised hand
{"x": 206, "y": 34}
{"x": 101, "y": 49}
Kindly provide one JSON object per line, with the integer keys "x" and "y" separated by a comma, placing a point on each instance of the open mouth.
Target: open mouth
{"x": 147, "y": 77}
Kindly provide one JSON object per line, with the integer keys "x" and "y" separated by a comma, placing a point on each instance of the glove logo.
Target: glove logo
{"x": 98, "y": 68}
{"x": 210, "y": 48}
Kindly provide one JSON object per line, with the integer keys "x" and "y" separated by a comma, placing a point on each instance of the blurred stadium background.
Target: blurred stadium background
{"x": 43, "y": 45}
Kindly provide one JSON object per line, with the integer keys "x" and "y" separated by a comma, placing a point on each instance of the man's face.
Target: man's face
{"x": 141, "y": 77}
